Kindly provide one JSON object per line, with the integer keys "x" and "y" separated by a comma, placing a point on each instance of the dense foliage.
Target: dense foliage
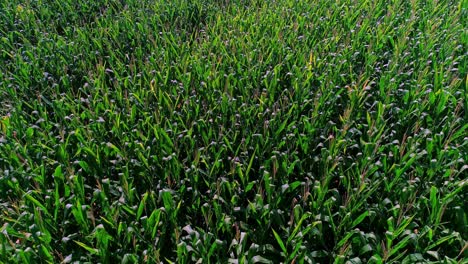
{"x": 240, "y": 131}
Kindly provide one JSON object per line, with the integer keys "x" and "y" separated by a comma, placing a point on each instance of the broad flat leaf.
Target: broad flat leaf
{"x": 88, "y": 248}
{"x": 360, "y": 218}
{"x": 280, "y": 242}
{"x": 260, "y": 259}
